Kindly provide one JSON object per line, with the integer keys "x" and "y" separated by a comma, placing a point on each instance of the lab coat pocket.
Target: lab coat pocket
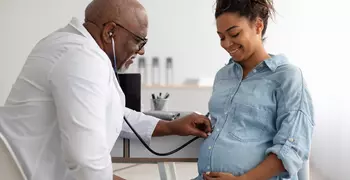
{"x": 248, "y": 123}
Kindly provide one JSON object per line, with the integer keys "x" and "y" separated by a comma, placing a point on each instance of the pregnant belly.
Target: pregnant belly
{"x": 235, "y": 158}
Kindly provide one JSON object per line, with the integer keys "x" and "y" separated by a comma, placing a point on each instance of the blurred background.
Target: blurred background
{"x": 314, "y": 34}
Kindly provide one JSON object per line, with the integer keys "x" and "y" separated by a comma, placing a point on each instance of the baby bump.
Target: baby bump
{"x": 236, "y": 159}
{"x": 230, "y": 156}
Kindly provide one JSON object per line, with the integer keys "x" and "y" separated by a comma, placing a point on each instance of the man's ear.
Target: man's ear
{"x": 108, "y": 33}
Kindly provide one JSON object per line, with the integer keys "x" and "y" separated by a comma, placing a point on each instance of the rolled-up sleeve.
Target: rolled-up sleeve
{"x": 143, "y": 124}
{"x": 294, "y": 123}
{"x": 80, "y": 89}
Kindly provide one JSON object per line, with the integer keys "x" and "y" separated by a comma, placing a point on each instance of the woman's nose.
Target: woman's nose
{"x": 226, "y": 43}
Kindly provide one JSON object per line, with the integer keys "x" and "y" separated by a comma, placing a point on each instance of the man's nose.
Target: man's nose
{"x": 142, "y": 51}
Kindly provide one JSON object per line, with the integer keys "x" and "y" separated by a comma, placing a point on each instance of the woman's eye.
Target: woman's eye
{"x": 235, "y": 35}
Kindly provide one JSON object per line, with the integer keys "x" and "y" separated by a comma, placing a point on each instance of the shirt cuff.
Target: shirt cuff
{"x": 289, "y": 157}
{"x": 149, "y": 132}
{"x": 143, "y": 124}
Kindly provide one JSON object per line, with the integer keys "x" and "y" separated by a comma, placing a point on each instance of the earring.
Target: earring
{"x": 110, "y": 34}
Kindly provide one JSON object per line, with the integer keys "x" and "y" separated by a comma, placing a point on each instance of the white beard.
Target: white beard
{"x": 122, "y": 69}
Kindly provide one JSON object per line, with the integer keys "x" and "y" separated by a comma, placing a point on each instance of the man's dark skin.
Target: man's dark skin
{"x": 101, "y": 19}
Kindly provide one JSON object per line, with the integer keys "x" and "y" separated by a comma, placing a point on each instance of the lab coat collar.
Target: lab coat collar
{"x": 78, "y": 25}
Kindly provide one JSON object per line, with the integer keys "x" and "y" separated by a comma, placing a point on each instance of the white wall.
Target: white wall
{"x": 182, "y": 29}
{"x": 186, "y": 31}
{"x": 313, "y": 33}
{"x": 325, "y": 50}
{"x": 324, "y": 58}
{"x": 23, "y": 24}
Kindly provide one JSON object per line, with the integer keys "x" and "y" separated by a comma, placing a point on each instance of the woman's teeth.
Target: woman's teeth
{"x": 235, "y": 50}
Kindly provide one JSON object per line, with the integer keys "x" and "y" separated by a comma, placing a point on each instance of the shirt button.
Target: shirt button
{"x": 254, "y": 71}
{"x": 217, "y": 129}
{"x": 225, "y": 113}
{"x": 208, "y": 167}
{"x": 291, "y": 139}
{"x": 209, "y": 147}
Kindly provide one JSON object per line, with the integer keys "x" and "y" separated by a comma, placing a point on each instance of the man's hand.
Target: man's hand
{"x": 193, "y": 124}
{"x": 117, "y": 178}
{"x": 222, "y": 176}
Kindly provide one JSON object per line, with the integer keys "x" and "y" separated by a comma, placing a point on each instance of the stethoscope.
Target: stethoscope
{"x": 157, "y": 153}
{"x": 133, "y": 130}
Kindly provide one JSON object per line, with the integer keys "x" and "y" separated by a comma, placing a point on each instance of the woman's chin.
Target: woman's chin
{"x": 237, "y": 59}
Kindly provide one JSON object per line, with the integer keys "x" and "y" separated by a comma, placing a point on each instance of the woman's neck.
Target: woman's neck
{"x": 255, "y": 59}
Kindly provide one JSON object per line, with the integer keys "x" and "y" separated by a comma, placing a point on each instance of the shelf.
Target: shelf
{"x": 175, "y": 87}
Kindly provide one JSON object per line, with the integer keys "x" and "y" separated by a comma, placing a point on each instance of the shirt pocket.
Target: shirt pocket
{"x": 222, "y": 86}
{"x": 248, "y": 123}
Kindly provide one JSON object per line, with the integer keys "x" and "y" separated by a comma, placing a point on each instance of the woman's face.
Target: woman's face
{"x": 239, "y": 36}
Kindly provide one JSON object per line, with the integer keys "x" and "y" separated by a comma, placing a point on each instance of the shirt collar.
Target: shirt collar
{"x": 276, "y": 61}
{"x": 272, "y": 63}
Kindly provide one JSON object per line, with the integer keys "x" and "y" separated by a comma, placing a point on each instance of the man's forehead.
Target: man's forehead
{"x": 129, "y": 13}
{"x": 136, "y": 20}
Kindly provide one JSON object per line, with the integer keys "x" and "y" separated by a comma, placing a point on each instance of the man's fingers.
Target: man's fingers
{"x": 117, "y": 178}
{"x": 204, "y": 121}
{"x": 199, "y": 133}
{"x": 209, "y": 127}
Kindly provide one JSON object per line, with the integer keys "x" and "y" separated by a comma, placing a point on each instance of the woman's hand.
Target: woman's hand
{"x": 222, "y": 176}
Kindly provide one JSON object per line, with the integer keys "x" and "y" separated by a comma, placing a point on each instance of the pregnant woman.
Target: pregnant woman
{"x": 260, "y": 105}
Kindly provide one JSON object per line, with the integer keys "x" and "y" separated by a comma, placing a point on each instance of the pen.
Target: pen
{"x": 166, "y": 95}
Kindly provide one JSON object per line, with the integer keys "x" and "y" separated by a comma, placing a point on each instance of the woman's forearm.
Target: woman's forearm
{"x": 270, "y": 167}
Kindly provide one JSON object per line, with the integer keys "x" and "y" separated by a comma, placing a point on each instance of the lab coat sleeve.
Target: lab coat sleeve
{"x": 79, "y": 88}
{"x": 294, "y": 122}
{"x": 143, "y": 124}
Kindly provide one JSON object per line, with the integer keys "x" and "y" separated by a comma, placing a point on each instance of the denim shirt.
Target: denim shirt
{"x": 269, "y": 111}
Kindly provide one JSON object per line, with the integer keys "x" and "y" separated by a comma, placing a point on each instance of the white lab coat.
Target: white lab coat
{"x": 65, "y": 110}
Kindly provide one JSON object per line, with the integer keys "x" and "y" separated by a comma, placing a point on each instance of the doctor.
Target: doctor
{"x": 65, "y": 110}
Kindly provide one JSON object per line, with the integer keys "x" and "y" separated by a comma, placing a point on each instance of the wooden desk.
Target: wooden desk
{"x": 132, "y": 151}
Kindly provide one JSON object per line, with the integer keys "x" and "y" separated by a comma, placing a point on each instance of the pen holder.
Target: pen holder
{"x": 159, "y": 104}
